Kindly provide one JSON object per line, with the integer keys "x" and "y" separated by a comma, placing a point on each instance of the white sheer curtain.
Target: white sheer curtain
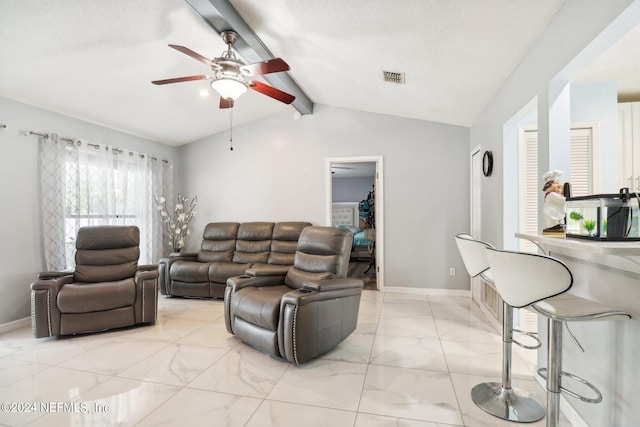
{"x": 86, "y": 184}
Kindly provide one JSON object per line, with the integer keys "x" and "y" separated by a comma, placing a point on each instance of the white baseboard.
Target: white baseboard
{"x": 426, "y": 291}
{"x": 16, "y": 324}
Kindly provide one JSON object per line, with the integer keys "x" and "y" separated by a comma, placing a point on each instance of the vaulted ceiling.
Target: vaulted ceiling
{"x": 94, "y": 60}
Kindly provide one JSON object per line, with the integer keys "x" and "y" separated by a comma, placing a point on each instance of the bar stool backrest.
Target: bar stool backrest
{"x": 473, "y": 254}
{"x": 524, "y": 278}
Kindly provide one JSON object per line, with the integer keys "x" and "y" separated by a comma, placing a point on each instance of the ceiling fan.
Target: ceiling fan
{"x": 333, "y": 168}
{"x": 230, "y": 74}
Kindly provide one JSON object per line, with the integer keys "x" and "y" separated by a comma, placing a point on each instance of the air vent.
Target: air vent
{"x": 393, "y": 77}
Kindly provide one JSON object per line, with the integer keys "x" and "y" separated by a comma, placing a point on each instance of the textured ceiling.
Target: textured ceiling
{"x": 94, "y": 60}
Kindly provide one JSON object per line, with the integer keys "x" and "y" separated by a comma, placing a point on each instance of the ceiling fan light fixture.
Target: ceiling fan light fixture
{"x": 229, "y": 88}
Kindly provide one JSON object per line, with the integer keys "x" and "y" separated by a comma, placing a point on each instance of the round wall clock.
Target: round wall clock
{"x": 487, "y": 163}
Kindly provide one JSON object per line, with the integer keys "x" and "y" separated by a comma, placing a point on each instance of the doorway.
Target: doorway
{"x": 355, "y": 199}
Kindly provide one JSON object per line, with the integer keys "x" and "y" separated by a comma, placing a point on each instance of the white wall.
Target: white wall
{"x": 567, "y": 38}
{"x": 21, "y": 250}
{"x": 598, "y": 103}
{"x": 277, "y": 172}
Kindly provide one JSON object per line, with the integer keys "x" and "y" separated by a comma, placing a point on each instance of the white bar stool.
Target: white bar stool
{"x": 499, "y": 399}
{"x": 541, "y": 281}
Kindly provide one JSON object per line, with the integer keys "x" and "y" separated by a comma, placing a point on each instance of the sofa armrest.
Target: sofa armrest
{"x": 332, "y": 284}
{"x": 52, "y": 283}
{"x": 164, "y": 267}
{"x": 239, "y": 282}
{"x": 313, "y": 321}
{"x": 268, "y": 270}
{"x": 148, "y": 267}
{"x": 45, "y": 316}
{"x": 47, "y": 275}
{"x": 146, "y": 302}
{"x": 184, "y": 255}
{"x": 146, "y": 275}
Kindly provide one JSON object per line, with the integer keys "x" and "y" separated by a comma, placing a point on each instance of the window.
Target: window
{"x": 87, "y": 185}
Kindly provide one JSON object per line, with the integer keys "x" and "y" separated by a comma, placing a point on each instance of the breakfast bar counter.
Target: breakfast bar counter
{"x": 607, "y": 272}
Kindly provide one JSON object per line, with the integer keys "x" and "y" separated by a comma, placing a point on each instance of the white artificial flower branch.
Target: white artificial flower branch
{"x": 177, "y": 222}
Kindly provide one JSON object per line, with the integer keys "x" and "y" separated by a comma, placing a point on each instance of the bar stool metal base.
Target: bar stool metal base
{"x": 501, "y": 399}
{"x": 506, "y": 403}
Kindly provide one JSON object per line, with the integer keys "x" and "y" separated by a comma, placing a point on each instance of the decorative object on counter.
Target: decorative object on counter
{"x": 554, "y": 203}
{"x": 177, "y": 223}
{"x": 589, "y": 225}
{"x": 612, "y": 217}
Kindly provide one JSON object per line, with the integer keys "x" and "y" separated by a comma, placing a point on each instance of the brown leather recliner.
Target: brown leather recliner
{"x": 305, "y": 313}
{"x": 108, "y": 289}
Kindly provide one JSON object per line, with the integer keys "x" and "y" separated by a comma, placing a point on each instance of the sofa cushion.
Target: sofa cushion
{"x": 190, "y": 271}
{"x": 219, "y": 242}
{"x": 285, "y": 242}
{"x": 251, "y": 252}
{"x": 106, "y": 253}
{"x": 282, "y": 252}
{"x": 88, "y": 297}
{"x": 219, "y": 272}
{"x": 289, "y": 231}
{"x": 253, "y": 242}
{"x": 220, "y": 250}
{"x": 262, "y": 307}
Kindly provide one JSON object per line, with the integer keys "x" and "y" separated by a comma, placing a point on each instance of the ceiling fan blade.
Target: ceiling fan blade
{"x": 226, "y": 102}
{"x": 265, "y": 67}
{"x": 272, "y": 92}
{"x": 179, "y": 79}
{"x": 194, "y": 55}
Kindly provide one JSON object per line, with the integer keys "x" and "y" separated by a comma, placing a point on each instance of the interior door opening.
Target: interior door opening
{"x": 354, "y": 201}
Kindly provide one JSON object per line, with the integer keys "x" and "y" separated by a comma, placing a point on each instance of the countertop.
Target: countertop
{"x": 584, "y": 246}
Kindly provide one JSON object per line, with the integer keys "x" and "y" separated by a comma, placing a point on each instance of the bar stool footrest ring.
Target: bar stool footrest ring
{"x": 532, "y": 335}
{"x": 543, "y": 373}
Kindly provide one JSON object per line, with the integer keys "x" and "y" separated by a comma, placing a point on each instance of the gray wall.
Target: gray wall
{"x": 21, "y": 250}
{"x": 277, "y": 172}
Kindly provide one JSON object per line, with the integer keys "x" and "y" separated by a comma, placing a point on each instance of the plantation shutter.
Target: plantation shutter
{"x": 531, "y": 186}
{"x": 581, "y": 162}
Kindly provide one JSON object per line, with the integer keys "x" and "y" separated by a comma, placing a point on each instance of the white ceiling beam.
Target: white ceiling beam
{"x": 222, "y": 16}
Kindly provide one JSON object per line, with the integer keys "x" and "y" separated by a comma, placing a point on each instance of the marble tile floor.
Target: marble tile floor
{"x": 411, "y": 362}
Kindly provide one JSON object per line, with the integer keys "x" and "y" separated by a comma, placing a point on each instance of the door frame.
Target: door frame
{"x": 379, "y": 187}
{"x": 475, "y": 212}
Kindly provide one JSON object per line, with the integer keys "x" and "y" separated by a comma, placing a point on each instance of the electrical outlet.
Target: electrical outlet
{"x": 452, "y": 271}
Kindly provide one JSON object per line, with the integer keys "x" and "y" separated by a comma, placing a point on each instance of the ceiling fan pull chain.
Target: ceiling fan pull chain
{"x": 231, "y": 129}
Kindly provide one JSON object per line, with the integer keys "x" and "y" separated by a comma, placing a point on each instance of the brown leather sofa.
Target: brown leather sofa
{"x": 108, "y": 289}
{"x": 305, "y": 312}
{"x": 228, "y": 249}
